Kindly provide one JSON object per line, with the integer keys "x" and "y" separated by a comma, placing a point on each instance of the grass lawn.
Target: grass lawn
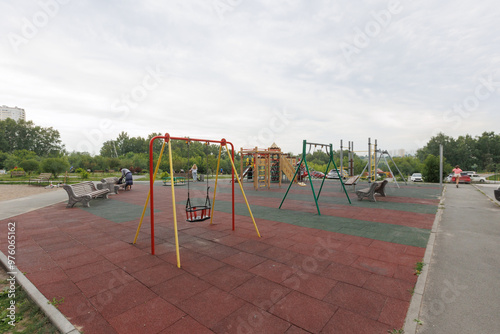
{"x": 72, "y": 178}
{"x": 495, "y": 177}
{"x": 28, "y": 316}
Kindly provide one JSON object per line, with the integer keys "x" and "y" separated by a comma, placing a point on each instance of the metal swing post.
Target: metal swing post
{"x": 340, "y": 177}
{"x": 310, "y": 179}
{"x": 324, "y": 176}
{"x": 149, "y": 193}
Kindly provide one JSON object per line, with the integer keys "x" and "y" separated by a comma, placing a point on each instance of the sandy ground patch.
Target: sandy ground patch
{"x": 11, "y": 191}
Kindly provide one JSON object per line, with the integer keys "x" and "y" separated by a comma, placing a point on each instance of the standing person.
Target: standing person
{"x": 194, "y": 171}
{"x": 456, "y": 171}
{"x": 127, "y": 175}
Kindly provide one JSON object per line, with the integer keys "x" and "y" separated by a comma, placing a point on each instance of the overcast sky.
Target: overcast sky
{"x": 254, "y": 71}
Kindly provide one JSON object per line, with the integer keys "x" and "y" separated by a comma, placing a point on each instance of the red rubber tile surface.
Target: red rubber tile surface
{"x": 294, "y": 279}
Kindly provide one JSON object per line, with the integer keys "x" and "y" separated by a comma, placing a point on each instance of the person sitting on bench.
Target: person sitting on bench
{"x": 127, "y": 174}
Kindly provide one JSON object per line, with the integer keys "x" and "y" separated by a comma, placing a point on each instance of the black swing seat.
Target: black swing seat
{"x": 198, "y": 213}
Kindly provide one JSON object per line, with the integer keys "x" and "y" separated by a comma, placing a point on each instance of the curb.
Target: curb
{"x": 410, "y": 326}
{"x": 492, "y": 198}
{"x": 54, "y": 315}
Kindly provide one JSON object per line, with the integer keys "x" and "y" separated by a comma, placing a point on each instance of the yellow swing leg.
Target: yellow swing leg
{"x": 242, "y": 191}
{"x": 177, "y": 253}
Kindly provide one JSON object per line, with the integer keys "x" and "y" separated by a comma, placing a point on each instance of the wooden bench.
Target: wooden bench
{"x": 375, "y": 188}
{"x": 111, "y": 183}
{"x": 83, "y": 192}
{"x": 43, "y": 177}
{"x": 17, "y": 173}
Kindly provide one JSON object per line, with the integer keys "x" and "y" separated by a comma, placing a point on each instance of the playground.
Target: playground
{"x": 349, "y": 269}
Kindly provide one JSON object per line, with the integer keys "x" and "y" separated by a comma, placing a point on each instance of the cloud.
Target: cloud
{"x": 227, "y": 67}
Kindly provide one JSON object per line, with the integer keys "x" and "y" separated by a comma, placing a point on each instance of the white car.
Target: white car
{"x": 416, "y": 177}
{"x": 477, "y": 178}
{"x": 332, "y": 174}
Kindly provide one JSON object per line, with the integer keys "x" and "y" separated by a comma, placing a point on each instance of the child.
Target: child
{"x": 194, "y": 171}
{"x": 456, "y": 171}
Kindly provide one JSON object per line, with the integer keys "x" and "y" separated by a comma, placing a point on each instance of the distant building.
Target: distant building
{"x": 398, "y": 153}
{"x": 14, "y": 113}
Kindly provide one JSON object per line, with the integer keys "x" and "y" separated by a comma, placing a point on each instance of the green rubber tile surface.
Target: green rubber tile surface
{"x": 116, "y": 211}
{"x": 332, "y": 195}
{"x": 399, "y": 234}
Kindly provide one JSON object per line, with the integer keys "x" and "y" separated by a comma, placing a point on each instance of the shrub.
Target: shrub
{"x": 55, "y": 166}
{"x": 30, "y": 165}
{"x": 430, "y": 171}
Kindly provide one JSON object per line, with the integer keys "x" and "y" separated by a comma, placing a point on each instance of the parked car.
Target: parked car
{"x": 416, "y": 177}
{"x": 464, "y": 178}
{"x": 332, "y": 174}
{"x": 477, "y": 178}
{"x": 316, "y": 174}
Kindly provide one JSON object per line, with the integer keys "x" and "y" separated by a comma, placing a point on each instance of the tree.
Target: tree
{"x": 3, "y": 157}
{"x": 55, "y": 166}
{"x": 22, "y": 135}
{"x": 15, "y": 158}
{"x": 29, "y": 165}
{"x": 430, "y": 171}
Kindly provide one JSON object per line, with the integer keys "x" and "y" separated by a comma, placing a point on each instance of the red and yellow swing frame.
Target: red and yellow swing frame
{"x": 150, "y": 198}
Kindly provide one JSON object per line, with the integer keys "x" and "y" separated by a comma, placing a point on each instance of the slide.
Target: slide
{"x": 287, "y": 168}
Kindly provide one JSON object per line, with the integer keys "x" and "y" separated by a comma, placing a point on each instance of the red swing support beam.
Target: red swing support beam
{"x": 167, "y": 138}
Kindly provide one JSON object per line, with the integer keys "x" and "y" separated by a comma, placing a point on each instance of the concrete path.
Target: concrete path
{"x": 18, "y": 206}
{"x": 463, "y": 284}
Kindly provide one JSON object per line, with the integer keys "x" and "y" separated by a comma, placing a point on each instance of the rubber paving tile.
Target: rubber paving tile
{"x": 340, "y": 272}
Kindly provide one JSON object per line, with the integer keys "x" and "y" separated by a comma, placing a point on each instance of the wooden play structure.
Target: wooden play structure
{"x": 193, "y": 214}
{"x": 266, "y": 166}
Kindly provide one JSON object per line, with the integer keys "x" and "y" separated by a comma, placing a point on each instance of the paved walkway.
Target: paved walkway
{"x": 462, "y": 290}
{"x": 18, "y": 206}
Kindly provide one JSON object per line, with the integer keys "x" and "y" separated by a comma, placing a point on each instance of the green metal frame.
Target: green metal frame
{"x": 304, "y": 161}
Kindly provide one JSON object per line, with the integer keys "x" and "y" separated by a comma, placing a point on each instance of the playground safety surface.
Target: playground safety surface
{"x": 348, "y": 270}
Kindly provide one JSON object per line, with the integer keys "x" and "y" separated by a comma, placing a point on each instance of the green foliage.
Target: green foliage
{"x": 56, "y": 302}
{"x": 14, "y": 159}
{"x": 481, "y": 153}
{"x": 30, "y": 165}
{"x": 25, "y": 135}
{"x": 430, "y": 171}
{"x": 164, "y": 174}
{"x": 29, "y": 318}
{"x": 396, "y": 331}
{"x": 55, "y": 166}
{"x": 3, "y": 157}
{"x": 419, "y": 266}
{"x": 83, "y": 173}
{"x": 407, "y": 165}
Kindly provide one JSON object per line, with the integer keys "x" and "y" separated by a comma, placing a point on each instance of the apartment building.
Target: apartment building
{"x": 14, "y": 113}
